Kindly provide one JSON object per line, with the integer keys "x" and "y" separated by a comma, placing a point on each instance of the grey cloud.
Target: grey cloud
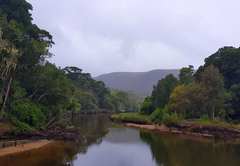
{"x": 102, "y": 36}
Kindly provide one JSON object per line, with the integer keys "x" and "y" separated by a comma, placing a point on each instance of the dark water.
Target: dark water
{"x": 108, "y": 144}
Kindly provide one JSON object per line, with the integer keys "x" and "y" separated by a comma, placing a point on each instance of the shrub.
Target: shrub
{"x": 162, "y": 112}
{"x": 20, "y": 126}
{"x": 147, "y": 107}
{"x": 28, "y": 113}
{"x": 170, "y": 120}
{"x": 222, "y": 115}
{"x": 155, "y": 114}
{"x": 205, "y": 117}
{"x": 132, "y": 118}
{"x": 217, "y": 120}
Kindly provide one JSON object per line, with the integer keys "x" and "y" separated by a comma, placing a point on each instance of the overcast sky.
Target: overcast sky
{"x": 103, "y": 36}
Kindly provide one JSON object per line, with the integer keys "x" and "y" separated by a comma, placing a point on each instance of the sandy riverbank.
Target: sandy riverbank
{"x": 23, "y": 147}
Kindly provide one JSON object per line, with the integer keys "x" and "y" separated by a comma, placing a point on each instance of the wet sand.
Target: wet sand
{"x": 23, "y": 147}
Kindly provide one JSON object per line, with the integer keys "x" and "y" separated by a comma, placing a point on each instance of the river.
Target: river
{"x": 109, "y": 144}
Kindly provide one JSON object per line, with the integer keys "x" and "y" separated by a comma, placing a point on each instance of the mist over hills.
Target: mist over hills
{"x": 139, "y": 82}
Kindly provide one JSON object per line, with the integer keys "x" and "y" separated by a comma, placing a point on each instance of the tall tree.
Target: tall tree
{"x": 227, "y": 60}
{"x": 17, "y": 10}
{"x": 8, "y": 62}
{"x": 213, "y": 82}
{"x": 191, "y": 100}
{"x": 186, "y": 75}
{"x": 161, "y": 92}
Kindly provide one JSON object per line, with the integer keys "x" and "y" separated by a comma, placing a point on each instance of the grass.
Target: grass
{"x": 211, "y": 123}
{"x": 132, "y": 118}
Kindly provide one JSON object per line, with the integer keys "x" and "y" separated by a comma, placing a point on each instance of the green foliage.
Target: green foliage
{"x": 235, "y": 101}
{"x": 94, "y": 95}
{"x": 156, "y": 114}
{"x": 132, "y": 118}
{"x": 20, "y": 126}
{"x": 29, "y": 114}
{"x": 186, "y": 75}
{"x": 191, "y": 100}
{"x": 227, "y": 60}
{"x": 147, "y": 107}
{"x": 213, "y": 82}
{"x": 74, "y": 107}
{"x": 196, "y": 99}
{"x": 222, "y": 115}
{"x": 170, "y": 119}
{"x": 124, "y": 102}
{"x": 162, "y": 112}
{"x": 161, "y": 92}
{"x": 205, "y": 117}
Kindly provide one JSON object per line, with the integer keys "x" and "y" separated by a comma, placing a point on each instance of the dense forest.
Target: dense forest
{"x": 34, "y": 91}
{"x": 212, "y": 92}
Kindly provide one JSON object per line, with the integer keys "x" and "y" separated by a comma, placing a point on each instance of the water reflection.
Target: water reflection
{"x": 92, "y": 128}
{"x": 108, "y": 144}
{"x": 168, "y": 150}
{"x": 120, "y": 147}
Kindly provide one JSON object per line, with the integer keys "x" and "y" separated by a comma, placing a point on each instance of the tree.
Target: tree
{"x": 227, "y": 60}
{"x": 8, "y": 62}
{"x": 17, "y": 10}
{"x": 235, "y": 101}
{"x": 186, "y": 75}
{"x": 147, "y": 107}
{"x": 212, "y": 81}
{"x": 177, "y": 100}
{"x": 161, "y": 92}
{"x": 190, "y": 100}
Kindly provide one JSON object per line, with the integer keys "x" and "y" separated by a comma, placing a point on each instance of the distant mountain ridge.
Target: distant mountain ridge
{"x": 141, "y": 82}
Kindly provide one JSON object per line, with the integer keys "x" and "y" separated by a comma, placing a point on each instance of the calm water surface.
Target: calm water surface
{"x": 109, "y": 144}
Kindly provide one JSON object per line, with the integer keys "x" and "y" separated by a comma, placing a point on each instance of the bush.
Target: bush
{"x": 156, "y": 113}
{"x": 222, "y": 115}
{"x": 147, "y": 107}
{"x": 28, "y": 113}
{"x": 170, "y": 120}
{"x": 217, "y": 120}
{"x": 205, "y": 117}
{"x": 132, "y": 118}
{"x": 162, "y": 112}
{"x": 20, "y": 126}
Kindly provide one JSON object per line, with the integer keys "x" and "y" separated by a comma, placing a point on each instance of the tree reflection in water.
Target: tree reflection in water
{"x": 92, "y": 129}
{"x": 168, "y": 150}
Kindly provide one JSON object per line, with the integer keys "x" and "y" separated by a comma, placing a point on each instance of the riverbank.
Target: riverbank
{"x": 163, "y": 128}
{"x": 216, "y": 130}
{"x": 69, "y": 133}
{"x": 23, "y": 147}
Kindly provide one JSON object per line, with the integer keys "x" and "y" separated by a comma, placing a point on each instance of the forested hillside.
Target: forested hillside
{"x": 34, "y": 91}
{"x": 141, "y": 82}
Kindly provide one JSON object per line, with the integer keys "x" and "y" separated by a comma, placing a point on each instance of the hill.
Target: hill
{"x": 140, "y": 82}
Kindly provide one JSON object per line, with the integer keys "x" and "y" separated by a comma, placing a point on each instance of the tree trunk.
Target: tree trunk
{"x": 7, "y": 92}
